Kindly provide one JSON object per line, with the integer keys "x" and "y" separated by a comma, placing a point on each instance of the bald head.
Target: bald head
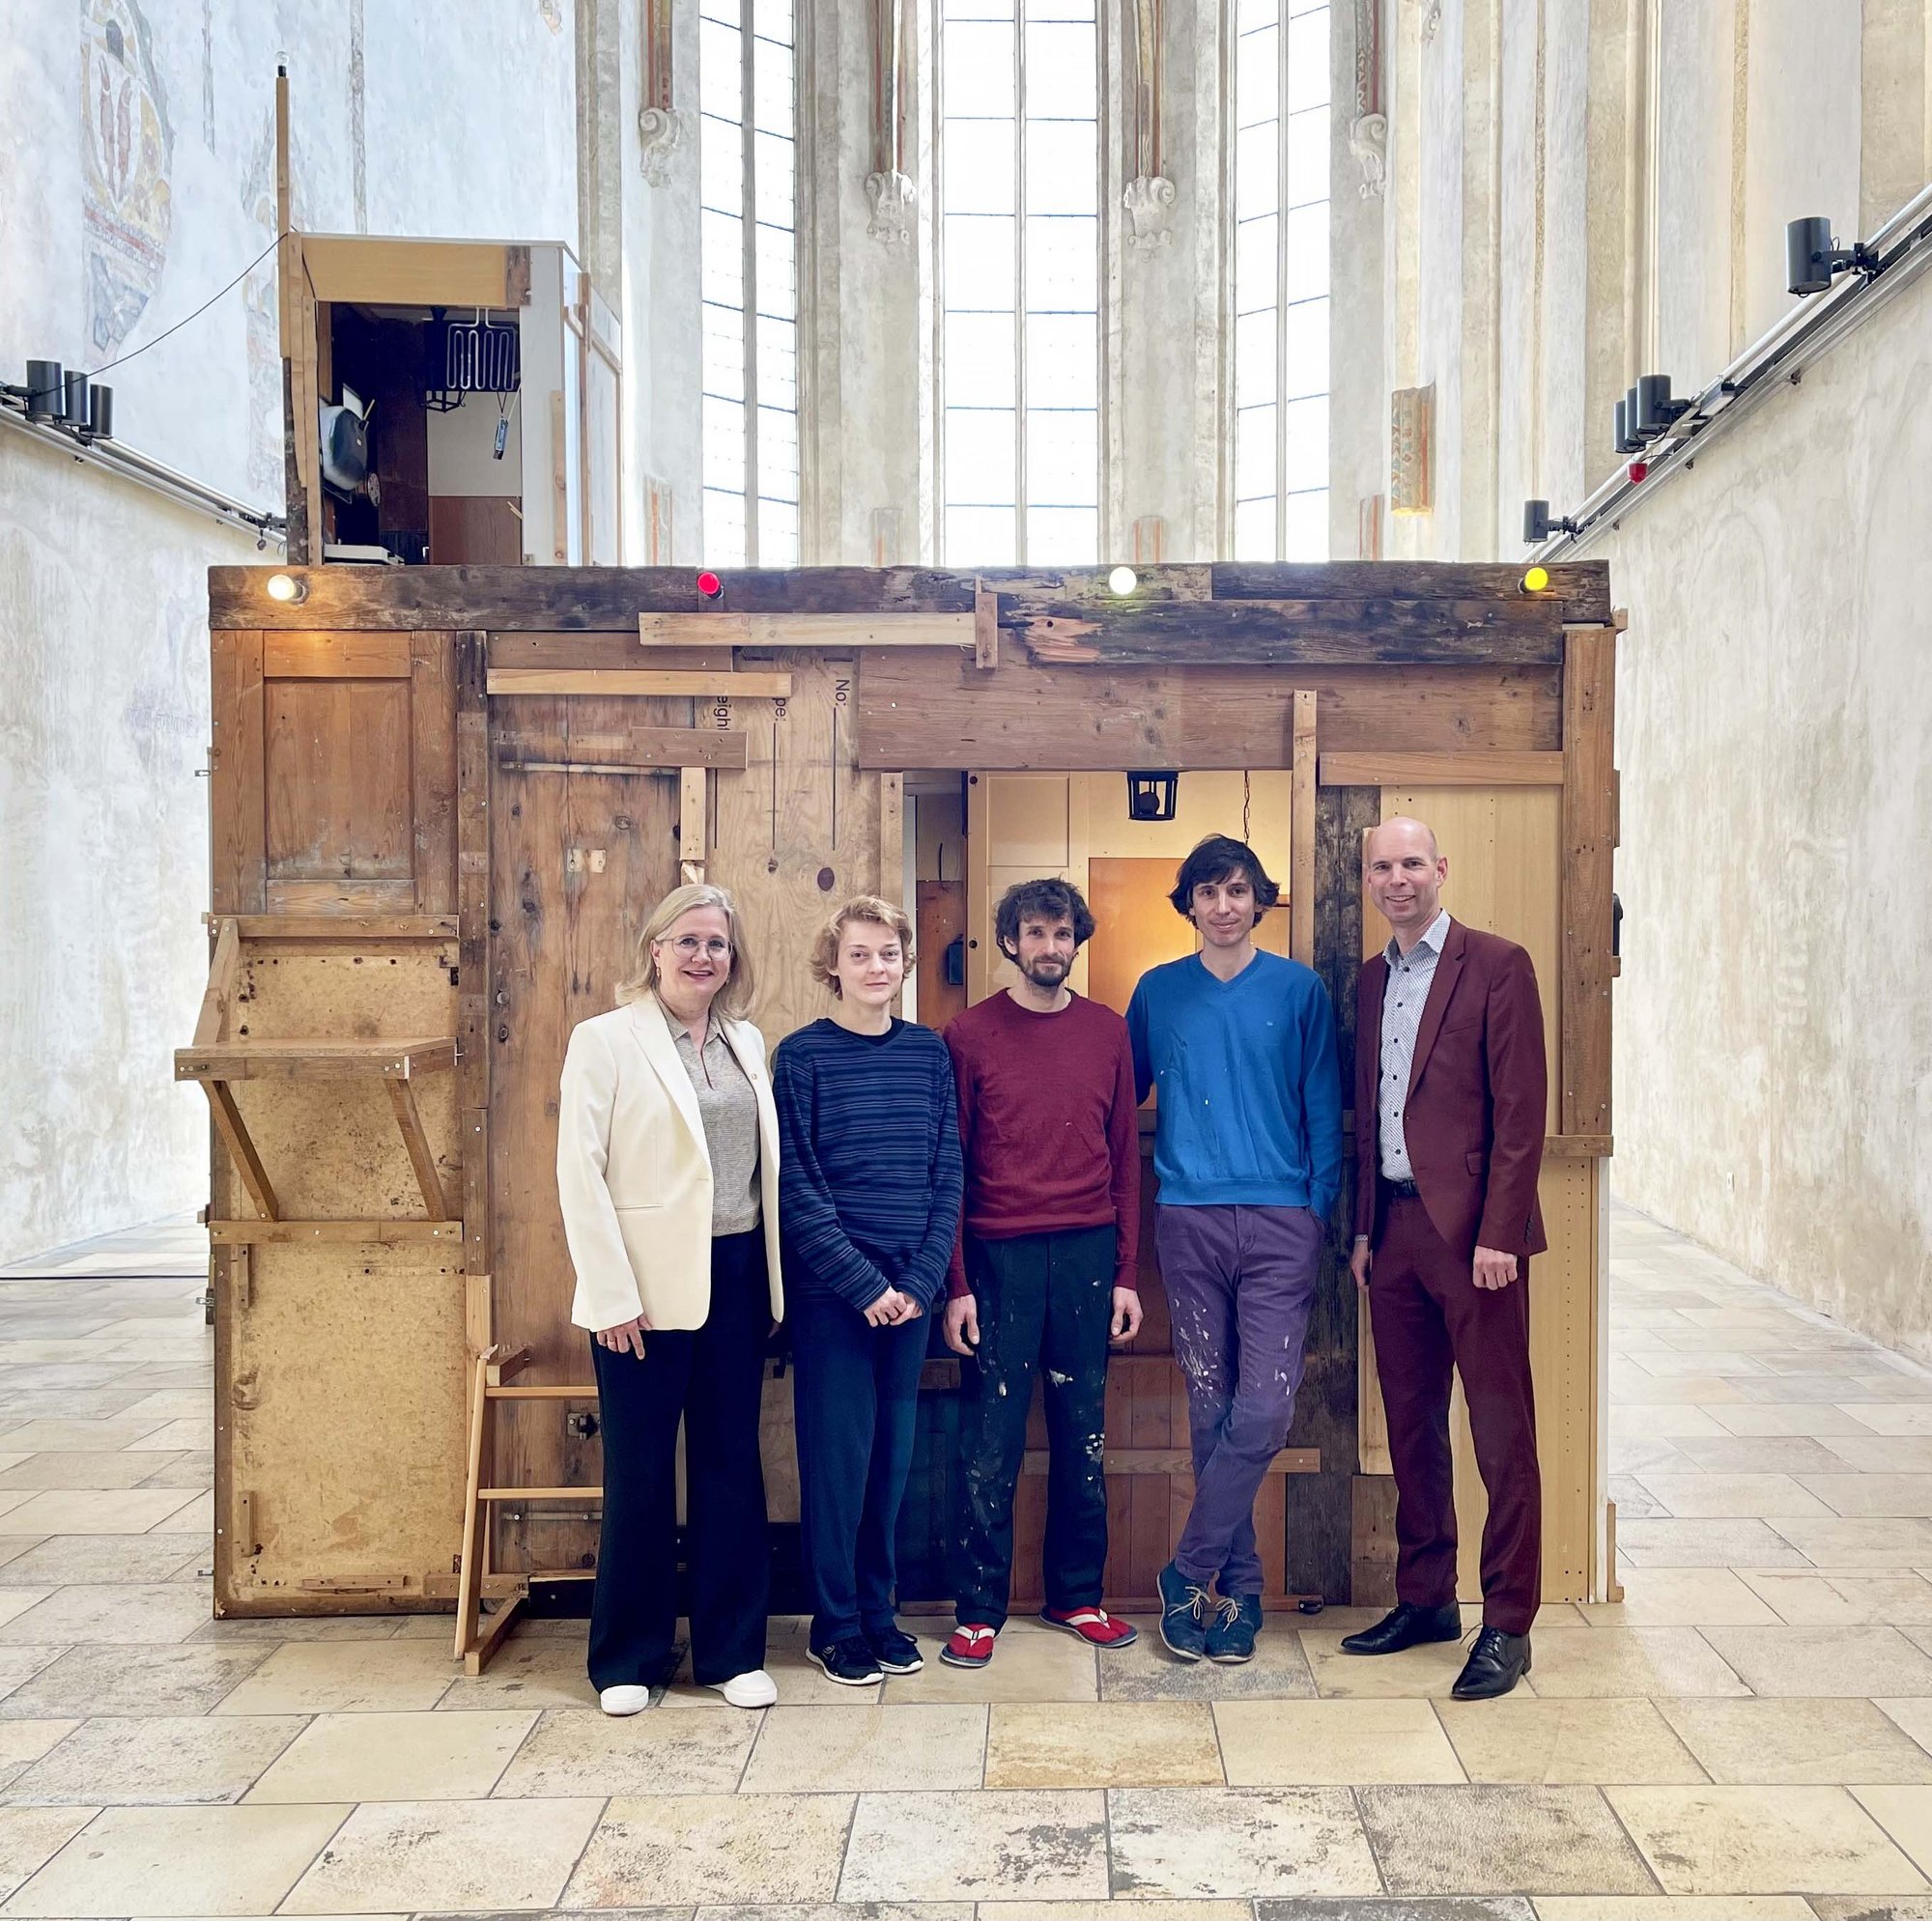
{"x": 1405, "y": 870}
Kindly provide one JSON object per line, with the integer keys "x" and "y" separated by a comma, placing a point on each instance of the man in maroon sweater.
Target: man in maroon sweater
{"x": 1043, "y": 1275}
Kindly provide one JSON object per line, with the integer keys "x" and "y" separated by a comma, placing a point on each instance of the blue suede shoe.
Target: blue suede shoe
{"x": 1231, "y": 1635}
{"x": 1183, "y": 1615}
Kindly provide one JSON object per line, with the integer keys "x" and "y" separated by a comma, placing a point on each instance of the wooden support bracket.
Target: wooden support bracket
{"x": 234, "y": 1131}
{"x": 985, "y": 628}
{"x": 422, "y": 1157}
{"x": 694, "y": 793}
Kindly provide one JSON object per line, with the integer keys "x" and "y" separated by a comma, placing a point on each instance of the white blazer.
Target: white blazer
{"x": 634, "y": 1173}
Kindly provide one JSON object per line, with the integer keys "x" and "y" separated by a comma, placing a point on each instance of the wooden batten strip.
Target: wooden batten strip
{"x": 986, "y": 628}
{"x": 1474, "y": 768}
{"x": 694, "y": 795}
{"x": 322, "y": 654}
{"x": 1589, "y": 844}
{"x": 422, "y": 1156}
{"x": 645, "y": 680}
{"x": 234, "y": 1131}
{"x": 833, "y": 630}
{"x": 314, "y": 1060}
{"x": 363, "y": 1233}
{"x": 1301, "y": 880}
{"x": 212, "y": 1024}
{"x": 355, "y": 930}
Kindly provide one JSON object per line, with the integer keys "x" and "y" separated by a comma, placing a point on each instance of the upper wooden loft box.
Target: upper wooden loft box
{"x": 450, "y": 401}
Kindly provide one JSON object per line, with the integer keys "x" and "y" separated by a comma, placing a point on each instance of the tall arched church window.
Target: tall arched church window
{"x": 1280, "y": 280}
{"x": 1018, "y": 312}
{"x": 747, "y": 268}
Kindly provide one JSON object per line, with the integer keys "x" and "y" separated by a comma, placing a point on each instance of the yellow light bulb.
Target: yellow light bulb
{"x": 1536, "y": 581}
{"x": 285, "y": 587}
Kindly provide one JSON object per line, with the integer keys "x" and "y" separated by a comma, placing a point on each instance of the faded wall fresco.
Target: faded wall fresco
{"x": 129, "y": 146}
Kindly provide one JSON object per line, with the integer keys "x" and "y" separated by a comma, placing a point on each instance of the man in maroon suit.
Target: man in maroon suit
{"x": 1450, "y": 1086}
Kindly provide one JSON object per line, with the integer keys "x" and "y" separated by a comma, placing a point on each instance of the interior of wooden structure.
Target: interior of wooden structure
{"x": 443, "y": 803}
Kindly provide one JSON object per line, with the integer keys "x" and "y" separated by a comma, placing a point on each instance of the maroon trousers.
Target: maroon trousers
{"x": 1429, "y": 1315}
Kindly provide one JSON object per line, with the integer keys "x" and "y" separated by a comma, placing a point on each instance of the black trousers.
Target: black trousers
{"x": 711, "y": 1378}
{"x": 1045, "y": 1301}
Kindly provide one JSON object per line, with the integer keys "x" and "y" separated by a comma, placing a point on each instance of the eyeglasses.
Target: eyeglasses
{"x": 688, "y": 946}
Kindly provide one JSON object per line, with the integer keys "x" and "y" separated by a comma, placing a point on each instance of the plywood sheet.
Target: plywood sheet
{"x": 343, "y": 1410}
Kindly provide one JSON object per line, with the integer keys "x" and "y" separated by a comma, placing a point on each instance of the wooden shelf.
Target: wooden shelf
{"x": 315, "y": 1059}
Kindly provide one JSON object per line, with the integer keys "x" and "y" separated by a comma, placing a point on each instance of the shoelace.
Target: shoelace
{"x": 1199, "y": 1602}
{"x": 1229, "y": 1609}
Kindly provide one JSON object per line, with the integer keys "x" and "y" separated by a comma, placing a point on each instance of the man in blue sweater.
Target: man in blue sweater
{"x": 1240, "y": 1045}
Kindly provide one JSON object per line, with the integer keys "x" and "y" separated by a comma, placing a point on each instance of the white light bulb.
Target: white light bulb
{"x": 1123, "y": 580}
{"x": 284, "y": 587}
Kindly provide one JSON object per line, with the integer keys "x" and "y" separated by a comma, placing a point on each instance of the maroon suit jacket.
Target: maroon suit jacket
{"x": 1477, "y": 1092}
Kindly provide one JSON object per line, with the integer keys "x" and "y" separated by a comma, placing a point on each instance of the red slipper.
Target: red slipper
{"x": 1093, "y": 1625}
{"x": 969, "y": 1645}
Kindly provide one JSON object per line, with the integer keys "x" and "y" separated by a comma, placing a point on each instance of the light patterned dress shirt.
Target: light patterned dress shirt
{"x": 1402, "y": 998}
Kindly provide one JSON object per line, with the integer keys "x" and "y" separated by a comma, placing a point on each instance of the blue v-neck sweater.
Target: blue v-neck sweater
{"x": 1250, "y": 1112}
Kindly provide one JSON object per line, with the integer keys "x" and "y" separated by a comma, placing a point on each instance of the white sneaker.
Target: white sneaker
{"x": 624, "y": 1699}
{"x": 756, "y": 1689}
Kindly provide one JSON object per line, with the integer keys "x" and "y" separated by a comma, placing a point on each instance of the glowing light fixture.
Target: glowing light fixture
{"x": 1123, "y": 580}
{"x": 1536, "y": 581}
{"x": 710, "y": 585}
{"x": 286, "y": 587}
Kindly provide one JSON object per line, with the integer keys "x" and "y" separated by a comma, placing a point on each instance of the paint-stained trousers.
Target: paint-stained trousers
{"x": 1428, "y": 1317}
{"x": 1045, "y": 1303}
{"x": 1241, "y": 1281}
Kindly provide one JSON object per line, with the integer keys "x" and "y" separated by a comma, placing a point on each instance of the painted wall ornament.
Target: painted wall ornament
{"x": 127, "y": 157}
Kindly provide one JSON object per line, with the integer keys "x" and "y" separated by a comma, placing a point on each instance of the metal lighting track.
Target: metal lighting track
{"x": 1806, "y": 333}
{"x": 151, "y": 474}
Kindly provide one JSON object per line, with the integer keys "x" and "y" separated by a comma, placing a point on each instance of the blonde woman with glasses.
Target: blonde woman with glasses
{"x": 667, "y": 1166}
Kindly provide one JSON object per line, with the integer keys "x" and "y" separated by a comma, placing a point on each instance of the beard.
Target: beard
{"x": 1048, "y": 971}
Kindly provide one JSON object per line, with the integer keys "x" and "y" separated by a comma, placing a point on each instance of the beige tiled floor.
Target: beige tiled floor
{"x": 1746, "y": 1736}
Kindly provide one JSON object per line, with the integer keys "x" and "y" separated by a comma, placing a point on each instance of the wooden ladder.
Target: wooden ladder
{"x": 478, "y": 1635}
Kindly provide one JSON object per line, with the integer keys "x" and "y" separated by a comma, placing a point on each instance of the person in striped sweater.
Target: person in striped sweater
{"x": 870, "y": 1185}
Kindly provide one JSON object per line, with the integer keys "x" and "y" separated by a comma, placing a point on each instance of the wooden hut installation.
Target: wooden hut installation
{"x": 445, "y": 799}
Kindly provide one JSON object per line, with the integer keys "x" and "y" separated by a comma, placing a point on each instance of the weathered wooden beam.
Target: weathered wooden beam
{"x": 610, "y": 598}
{"x": 1579, "y": 592}
{"x": 1474, "y": 769}
{"x": 350, "y": 930}
{"x": 1589, "y": 844}
{"x": 313, "y": 1060}
{"x": 643, "y": 681}
{"x": 367, "y": 1233}
{"x": 1259, "y": 632}
{"x": 211, "y": 1025}
{"x": 832, "y": 630}
{"x": 922, "y": 710}
{"x": 1303, "y": 880}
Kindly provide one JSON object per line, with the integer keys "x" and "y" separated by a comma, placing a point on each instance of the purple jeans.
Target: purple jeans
{"x": 1241, "y": 1281}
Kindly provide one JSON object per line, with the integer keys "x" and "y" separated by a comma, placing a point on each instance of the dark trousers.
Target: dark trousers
{"x": 711, "y": 1378}
{"x": 1045, "y": 1301}
{"x": 1240, "y": 1282}
{"x": 855, "y": 1400}
{"x": 1428, "y": 1317}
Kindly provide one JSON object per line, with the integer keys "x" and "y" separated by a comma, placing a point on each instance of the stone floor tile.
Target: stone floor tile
{"x": 717, "y": 1848}
{"x": 1033, "y": 1845}
{"x": 1820, "y": 1420}
{"x": 1874, "y": 1496}
{"x": 23, "y": 1743}
{"x": 173, "y": 1404}
{"x": 1817, "y": 1741}
{"x": 1843, "y": 1597}
{"x": 1634, "y": 1502}
{"x": 1668, "y": 1420}
{"x": 1862, "y": 1908}
{"x": 1708, "y": 1392}
{"x": 1705, "y": 1495}
{"x": 1759, "y": 1454}
{"x": 1906, "y": 1816}
{"x": 58, "y": 1436}
{"x": 343, "y": 1676}
{"x": 1332, "y": 1743}
{"x": 1882, "y": 1454}
{"x": 1101, "y": 1910}
{"x": 1632, "y": 1454}
{"x": 529, "y": 1672}
{"x": 1681, "y": 1598}
{"x": 1415, "y": 1674}
{"x": 871, "y": 1910}
{"x": 192, "y": 1435}
{"x": 1683, "y": 1907}
{"x": 97, "y": 1471}
{"x": 1882, "y": 1416}
{"x": 584, "y": 1751}
{"x": 1102, "y": 1744}
{"x": 1725, "y": 1363}
{"x": 1680, "y": 1543}
{"x": 1565, "y": 1744}
{"x": 385, "y": 1757}
{"x": 160, "y": 1611}
{"x": 1401, "y": 1907}
{"x": 197, "y": 1517}
{"x": 817, "y": 1750}
{"x": 1030, "y": 1663}
{"x": 275, "y": 1631}
{"x": 1913, "y": 1712}
{"x": 1572, "y": 1662}
{"x": 1825, "y": 1660}
{"x": 126, "y": 1680}
{"x": 30, "y": 1837}
{"x": 17, "y": 1601}
{"x": 183, "y": 1861}
{"x": 427, "y": 1854}
{"x": 1500, "y": 1840}
{"x": 1279, "y": 1670}
{"x": 158, "y": 1759}
{"x": 14, "y": 1546}
{"x": 78, "y": 1559}
{"x": 128, "y": 1510}
{"x": 1725, "y": 1841}
{"x": 1206, "y": 1841}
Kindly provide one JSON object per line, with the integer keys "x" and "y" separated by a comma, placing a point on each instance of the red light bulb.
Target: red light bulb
{"x": 710, "y": 585}
{"x": 1638, "y": 471}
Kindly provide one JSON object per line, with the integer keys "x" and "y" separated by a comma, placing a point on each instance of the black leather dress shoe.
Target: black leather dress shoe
{"x": 1495, "y": 1664}
{"x": 1405, "y": 1626}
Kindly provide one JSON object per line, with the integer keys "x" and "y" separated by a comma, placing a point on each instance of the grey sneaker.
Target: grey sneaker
{"x": 1231, "y": 1634}
{"x": 1183, "y": 1614}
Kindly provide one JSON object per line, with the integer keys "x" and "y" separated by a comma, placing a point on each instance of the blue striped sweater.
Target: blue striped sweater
{"x": 869, "y": 1175}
